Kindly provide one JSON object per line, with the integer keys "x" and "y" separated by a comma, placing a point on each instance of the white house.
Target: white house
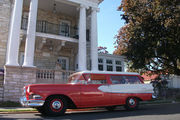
{"x": 44, "y": 41}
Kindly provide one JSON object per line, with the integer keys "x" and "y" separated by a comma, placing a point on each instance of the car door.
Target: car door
{"x": 91, "y": 96}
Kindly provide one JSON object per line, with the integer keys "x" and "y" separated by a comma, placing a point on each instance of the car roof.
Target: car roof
{"x": 108, "y": 72}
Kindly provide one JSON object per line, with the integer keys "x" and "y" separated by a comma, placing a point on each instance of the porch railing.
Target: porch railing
{"x": 52, "y": 76}
{"x": 57, "y": 29}
{"x": 45, "y": 74}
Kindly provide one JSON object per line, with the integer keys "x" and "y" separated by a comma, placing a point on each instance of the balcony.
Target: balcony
{"x": 51, "y": 28}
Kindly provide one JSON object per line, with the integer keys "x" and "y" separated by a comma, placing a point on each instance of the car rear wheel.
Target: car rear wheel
{"x": 55, "y": 106}
{"x": 132, "y": 103}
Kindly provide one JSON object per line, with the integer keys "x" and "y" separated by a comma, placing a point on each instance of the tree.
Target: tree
{"x": 102, "y": 50}
{"x": 151, "y": 37}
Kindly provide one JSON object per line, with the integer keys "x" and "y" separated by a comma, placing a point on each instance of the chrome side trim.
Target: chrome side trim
{"x": 31, "y": 103}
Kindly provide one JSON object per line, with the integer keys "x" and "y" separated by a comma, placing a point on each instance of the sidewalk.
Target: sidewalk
{"x": 13, "y": 110}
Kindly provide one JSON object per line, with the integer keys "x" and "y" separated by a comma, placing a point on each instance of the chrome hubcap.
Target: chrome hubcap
{"x": 56, "y": 105}
{"x": 131, "y": 101}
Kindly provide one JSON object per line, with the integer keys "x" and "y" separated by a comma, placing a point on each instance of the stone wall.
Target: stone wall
{"x": 15, "y": 79}
{"x": 5, "y": 13}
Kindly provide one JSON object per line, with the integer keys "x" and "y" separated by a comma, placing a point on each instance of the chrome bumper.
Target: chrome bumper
{"x": 31, "y": 103}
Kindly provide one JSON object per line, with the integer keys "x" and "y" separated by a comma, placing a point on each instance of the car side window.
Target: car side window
{"x": 124, "y": 79}
{"x": 77, "y": 79}
{"x": 96, "y": 79}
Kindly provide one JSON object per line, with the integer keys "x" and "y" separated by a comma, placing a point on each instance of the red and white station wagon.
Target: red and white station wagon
{"x": 88, "y": 89}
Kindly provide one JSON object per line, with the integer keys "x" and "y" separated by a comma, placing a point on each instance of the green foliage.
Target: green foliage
{"x": 151, "y": 38}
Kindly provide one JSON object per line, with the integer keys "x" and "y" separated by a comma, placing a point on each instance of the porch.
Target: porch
{"x": 47, "y": 42}
{"x": 44, "y": 26}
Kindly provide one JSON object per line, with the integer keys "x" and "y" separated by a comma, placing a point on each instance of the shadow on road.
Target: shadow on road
{"x": 145, "y": 110}
{"x": 165, "y": 109}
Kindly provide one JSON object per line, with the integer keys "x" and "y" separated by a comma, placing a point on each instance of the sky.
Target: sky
{"x": 109, "y": 22}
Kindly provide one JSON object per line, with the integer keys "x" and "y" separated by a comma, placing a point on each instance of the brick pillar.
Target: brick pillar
{"x": 15, "y": 78}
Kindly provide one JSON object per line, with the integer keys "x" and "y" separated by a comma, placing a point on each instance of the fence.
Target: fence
{"x": 52, "y": 76}
{"x": 57, "y": 29}
{"x": 174, "y": 81}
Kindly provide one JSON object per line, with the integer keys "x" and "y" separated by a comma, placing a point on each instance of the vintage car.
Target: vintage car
{"x": 88, "y": 89}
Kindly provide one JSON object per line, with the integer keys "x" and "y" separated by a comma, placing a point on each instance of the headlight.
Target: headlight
{"x": 28, "y": 89}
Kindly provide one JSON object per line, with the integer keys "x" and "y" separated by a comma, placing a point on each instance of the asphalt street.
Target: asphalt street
{"x": 145, "y": 112}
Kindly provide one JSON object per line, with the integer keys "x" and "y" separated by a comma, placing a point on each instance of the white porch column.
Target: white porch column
{"x": 31, "y": 35}
{"x": 13, "y": 45}
{"x": 94, "y": 42}
{"x": 82, "y": 65}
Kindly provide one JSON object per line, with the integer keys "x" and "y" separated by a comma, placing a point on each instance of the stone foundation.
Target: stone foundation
{"x": 16, "y": 77}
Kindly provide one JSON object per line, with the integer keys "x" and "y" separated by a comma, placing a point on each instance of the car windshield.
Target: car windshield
{"x": 76, "y": 79}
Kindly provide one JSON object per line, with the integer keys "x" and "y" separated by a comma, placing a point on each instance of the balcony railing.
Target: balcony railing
{"x": 51, "y": 28}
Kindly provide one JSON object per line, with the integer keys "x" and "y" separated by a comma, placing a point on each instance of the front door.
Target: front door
{"x": 64, "y": 62}
{"x": 65, "y": 28}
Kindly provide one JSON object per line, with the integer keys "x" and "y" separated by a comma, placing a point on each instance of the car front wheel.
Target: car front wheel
{"x": 55, "y": 106}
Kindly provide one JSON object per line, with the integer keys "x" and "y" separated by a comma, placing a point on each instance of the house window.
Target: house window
{"x": 118, "y": 62}
{"x": 87, "y": 35}
{"x": 65, "y": 28}
{"x": 100, "y": 60}
{"x": 64, "y": 63}
{"x": 21, "y": 58}
{"x": 100, "y": 67}
{"x": 109, "y": 61}
{"x": 109, "y": 65}
{"x": 109, "y": 68}
{"x": 118, "y": 68}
